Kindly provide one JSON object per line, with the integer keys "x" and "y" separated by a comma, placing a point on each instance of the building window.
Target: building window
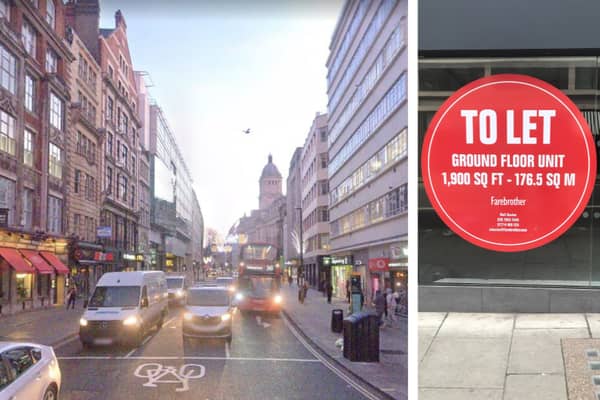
{"x": 90, "y": 188}
{"x": 77, "y": 181}
{"x": 24, "y": 285}
{"x": 133, "y": 165}
{"x": 56, "y": 112}
{"x": 109, "y": 108}
{"x": 51, "y": 61}
{"x": 7, "y": 197}
{"x": 110, "y": 71}
{"x": 7, "y": 133}
{"x": 323, "y": 135}
{"x": 132, "y": 196}
{"x": 27, "y": 217}
{"x": 28, "y": 148}
{"x": 50, "y": 12}
{"x": 5, "y": 9}
{"x": 122, "y": 187}
{"x": 77, "y": 224}
{"x": 109, "y": 144}
{"x": 29, "y": 93}
{"x": 54, "y": 214}
{"x": 109, "y": 178}
{"x": 29, "y": 37}
{"x": 55, "y": 161}
{"x": 8, "y": 70}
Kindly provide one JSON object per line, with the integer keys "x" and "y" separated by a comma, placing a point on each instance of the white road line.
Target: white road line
{"x": 131, "y": 352}
{"x": 300, "y": 360}
{"x": 227, "y": 354}
{"x": 329, "y": 365}
{"x": 169, "y": 321}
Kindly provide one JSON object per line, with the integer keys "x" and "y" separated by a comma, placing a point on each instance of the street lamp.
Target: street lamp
{"x": 301, "y": 269}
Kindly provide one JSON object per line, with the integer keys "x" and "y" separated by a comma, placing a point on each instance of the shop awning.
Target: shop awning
{"x": 16, "y": 261}
{"x": 38, "y": 262}
{"x": 55, "y": 262}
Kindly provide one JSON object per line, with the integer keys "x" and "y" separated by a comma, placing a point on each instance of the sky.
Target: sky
{"x": 220, "y": 67}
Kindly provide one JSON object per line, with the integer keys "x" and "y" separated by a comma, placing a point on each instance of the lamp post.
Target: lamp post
{"x": 301, "y": 268}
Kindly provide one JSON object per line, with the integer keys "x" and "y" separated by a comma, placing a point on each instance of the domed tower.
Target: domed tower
{"x": 270, "y": 185}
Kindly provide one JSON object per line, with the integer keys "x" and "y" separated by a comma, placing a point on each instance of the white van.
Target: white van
{"x": 123, "y": 307}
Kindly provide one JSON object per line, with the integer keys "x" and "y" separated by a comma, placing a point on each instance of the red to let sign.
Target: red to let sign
{"x": 379, "y": 264}
{"x": 509, "y": 162}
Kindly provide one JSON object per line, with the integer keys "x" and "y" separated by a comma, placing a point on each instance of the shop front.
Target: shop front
{"x": 87, "y": 262}
{"x": 341, "y": 269}
{"x": 379, "y": 271}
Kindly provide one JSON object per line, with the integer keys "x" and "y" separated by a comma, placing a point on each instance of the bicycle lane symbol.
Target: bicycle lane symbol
{"x": 158, "y": 373}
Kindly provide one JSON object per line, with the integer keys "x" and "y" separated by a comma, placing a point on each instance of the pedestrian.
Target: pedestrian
{"x": 348, "y": 291}
{"x": 71, "y": 296}
{"x": 390, "y": 305}
{"x": 379, "y": 305}
{"x": 304, "y": 290}
{"x": 329, "y": 290}
{"x": 290, "y": 279}
{"x": 300, "y": 295}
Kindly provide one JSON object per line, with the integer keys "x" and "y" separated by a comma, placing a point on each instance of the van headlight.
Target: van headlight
{"x": 133, "y": 320}
{"x": 83, "y": 322}
{"x": 277, "y": 299}
{"x": 225, "y": 317}
{"x": 239, "y": 296}
{"x": 231, "y": 288}
{"x": 187, "y": 316}
{"x": 179, "y": 293}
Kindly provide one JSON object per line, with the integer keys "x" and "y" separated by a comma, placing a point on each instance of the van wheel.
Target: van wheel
{"x": 85, "y": 344}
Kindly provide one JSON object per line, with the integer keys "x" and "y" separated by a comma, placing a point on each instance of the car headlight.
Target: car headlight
{"x": 225, "y": 317}
{"x": 187, "y": 316}
{"x": 239, "y": 296}
{"x": 231, "y": 288}
{"x": 277, "y": 299}
{"x": 132, "y": 320}
{"x": 83, "y": 322}
{"x": 54, "y": 370}
{"x": 179, "y": 293}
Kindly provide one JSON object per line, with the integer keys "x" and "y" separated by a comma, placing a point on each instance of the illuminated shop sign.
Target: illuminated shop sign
{"x": 509, "y": 162}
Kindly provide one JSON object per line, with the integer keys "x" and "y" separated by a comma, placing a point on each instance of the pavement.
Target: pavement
{"x": 508, "y": 356}
{"x": 389, "y": 376}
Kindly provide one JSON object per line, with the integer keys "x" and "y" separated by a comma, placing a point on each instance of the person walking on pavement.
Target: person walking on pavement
{"x": 348, "y": 291}
{"x": 391, "y": 306}
{"x": 290, "y": 280}
{"x": 71, "y": 296}
{"x": 379, "y": 305}
{"x": 329, "y": 290}
{"x": 304, "y": 291}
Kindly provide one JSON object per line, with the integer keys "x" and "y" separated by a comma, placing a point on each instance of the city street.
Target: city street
{"x": 264, "y": 360}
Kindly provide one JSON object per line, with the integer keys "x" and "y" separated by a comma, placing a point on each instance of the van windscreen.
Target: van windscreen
{"x": 174, "y": 283}
{"x": 115, "y": 296}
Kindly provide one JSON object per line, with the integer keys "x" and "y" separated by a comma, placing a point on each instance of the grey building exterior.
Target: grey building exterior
{"x": 549, "y": 40}
{"x": 367, "y": 80}
{"x": 291, "y": 222}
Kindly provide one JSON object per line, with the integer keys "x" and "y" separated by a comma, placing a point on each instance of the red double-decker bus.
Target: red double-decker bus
{"x": 259, "y": 279}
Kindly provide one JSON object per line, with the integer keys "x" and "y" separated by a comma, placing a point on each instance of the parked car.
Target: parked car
{"x": 177, "y": 289}
{"x": 28, "y": 371}
{"x": 123, "y": 307}
{"x": 208, "y": 313}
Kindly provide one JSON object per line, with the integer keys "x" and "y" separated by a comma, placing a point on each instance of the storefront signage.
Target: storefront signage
{"x": 101, "y": 256}
{"x": 104, "y": 231}
{"x": 509, "y": 163}
{"x": 346, "y": 260}
{"x": 379, "y": 264}
{"x": 130, "y": 257}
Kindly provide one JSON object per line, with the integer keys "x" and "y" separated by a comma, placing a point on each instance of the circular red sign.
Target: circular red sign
{"x": 509, "y": 162}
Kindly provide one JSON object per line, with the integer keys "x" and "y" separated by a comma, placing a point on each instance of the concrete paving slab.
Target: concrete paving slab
{"x": 477, "y": 325}
{"x": 426, "y": 336}
{"x": 594, "y": 324}
{"x": 535, "y": 351}
{"x": 578, "y": 354}
{"x": 448, "y": 360}
{"x": 550, "y": 321}
{"x": 535, "y": 387}
{"x": 431, "y": 319}
{"x": 460, "y": 394}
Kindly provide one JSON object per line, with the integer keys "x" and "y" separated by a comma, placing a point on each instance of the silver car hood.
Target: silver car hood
{"x": 212, "y": 311}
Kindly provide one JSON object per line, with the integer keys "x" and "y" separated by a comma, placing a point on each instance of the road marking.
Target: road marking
{"x": 65, "y": 341}
{"x": 154, "y": 372}
{"x": 227, "y": 354}
{"x": 329, "y": 365}
{"x": 307, "y": 360}
{"x": 131, "y": 352}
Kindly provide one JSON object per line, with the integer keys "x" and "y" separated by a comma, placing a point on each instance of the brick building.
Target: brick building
{"x": 33, "y": 126}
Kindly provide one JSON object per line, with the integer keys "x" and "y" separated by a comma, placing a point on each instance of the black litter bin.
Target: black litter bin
{"x": 350, "y": 338}
{"x": 361, "y": 337}
{"x": 337, "y": 320}
{"x": 371, "y": 335}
